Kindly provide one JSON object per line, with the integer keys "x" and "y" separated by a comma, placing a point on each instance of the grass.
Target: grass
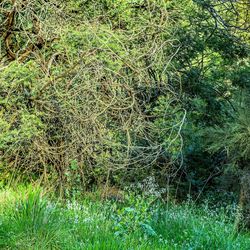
{"x": 30, "y": 220}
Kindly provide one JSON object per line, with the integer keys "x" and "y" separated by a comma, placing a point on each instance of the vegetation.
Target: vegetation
{"x": 105, "y": 94}
{"x": 32, "y": 221}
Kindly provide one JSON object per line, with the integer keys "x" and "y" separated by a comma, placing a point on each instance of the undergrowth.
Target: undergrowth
{"x": 29, "y": 219}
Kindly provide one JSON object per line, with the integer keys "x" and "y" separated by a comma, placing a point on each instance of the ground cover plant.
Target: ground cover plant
{"x": 31, "y": 220}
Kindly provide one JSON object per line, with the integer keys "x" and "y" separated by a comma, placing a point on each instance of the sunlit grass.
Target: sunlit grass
{"x": 30, "y": 220}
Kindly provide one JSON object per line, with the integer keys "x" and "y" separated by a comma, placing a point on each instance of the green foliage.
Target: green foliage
{"x": 85, "y": 97}
{"x": 28, "y": 213}
{"x": 113, "y": 91}
{"x": 135, "y": 216}
{"x": 234, "y": 137}
{"x": 73, "y": 187}
{"x": 20, "y": 123}
{"x": 32, "y": 220}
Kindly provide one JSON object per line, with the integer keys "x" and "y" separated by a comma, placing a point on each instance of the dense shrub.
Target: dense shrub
{"x": 111, "y": 92}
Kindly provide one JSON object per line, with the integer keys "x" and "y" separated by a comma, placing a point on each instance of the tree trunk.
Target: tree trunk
{"x": 243, "y": 219}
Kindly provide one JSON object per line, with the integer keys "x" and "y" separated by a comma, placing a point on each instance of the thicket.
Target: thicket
{"x": 111, "y": 92}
